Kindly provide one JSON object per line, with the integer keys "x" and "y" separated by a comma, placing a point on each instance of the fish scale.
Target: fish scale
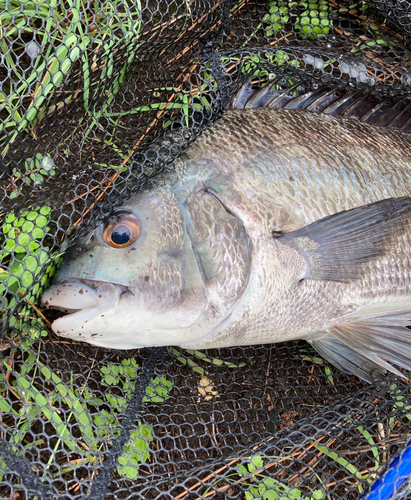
{"x": 263, "y": 129}
{"x": 295, "y": 226}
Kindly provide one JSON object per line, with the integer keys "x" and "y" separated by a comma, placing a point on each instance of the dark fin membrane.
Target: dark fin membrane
{"x": 337, "y": 247}
{"x": 262, "y": 98}
{"x": 304, "y": 101}
{"x": 349, "y": 360}
{"x": 336, "y": 101}
{"x": 407, "y": 126}
{"x": 390, "y": 114}
{"x": 283, "y": 97}
{"x": 339, "y": 107}
{"x": 361, "y": 107}
{"x": 330, "y": 96}
{"x": 378, "y": 110}
{"x": 242, "y": 97}
{"x": 401, "y": 120}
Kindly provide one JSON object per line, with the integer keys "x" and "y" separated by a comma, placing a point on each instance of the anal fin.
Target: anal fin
{"x": 347, "y": 359}
{"x": 366, "y": 346}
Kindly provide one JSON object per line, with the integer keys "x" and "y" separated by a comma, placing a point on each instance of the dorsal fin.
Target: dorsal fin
{"x": 336, "y": 101}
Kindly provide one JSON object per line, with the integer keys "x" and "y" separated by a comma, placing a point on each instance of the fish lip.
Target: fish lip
{"x": 91, "y": 282}
{"x": 80, "y": 307}
{"x": 94, "y": 284}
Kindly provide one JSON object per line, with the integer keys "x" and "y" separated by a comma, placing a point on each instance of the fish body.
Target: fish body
{"x": 272, "y": 226}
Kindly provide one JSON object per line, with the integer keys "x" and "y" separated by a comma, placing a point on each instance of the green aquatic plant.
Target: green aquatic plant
{"x": 268, "y": 488}
{"x": 192, "y": 355}
{"x": 311, "y": 19}
{"x": 120, "y": 379}
{"x": 278, "y": 16}
{"x": 86, "y": 413}
{"x": 25, "y": 263}
{"x": 314, "y": 22}
{"x": 65, "y": 37}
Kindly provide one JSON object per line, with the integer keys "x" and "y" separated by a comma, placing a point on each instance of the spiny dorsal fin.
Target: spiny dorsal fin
{"x": 336, "y": 101}
{"x": 337, "y": 247}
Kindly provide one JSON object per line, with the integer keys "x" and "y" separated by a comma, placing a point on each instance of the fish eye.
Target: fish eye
{"x": 121, "y": 230}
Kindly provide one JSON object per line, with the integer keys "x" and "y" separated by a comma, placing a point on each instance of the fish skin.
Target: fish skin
{"x": 253, "y": 172}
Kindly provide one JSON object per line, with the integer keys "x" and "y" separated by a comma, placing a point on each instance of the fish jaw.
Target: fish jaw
{"x": 83, "y": 300}
{"x": 99, "y": 313}
{"x": 90, "y": 306}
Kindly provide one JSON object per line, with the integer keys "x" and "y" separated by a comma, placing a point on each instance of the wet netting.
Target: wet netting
{"x": 97, "y": 100}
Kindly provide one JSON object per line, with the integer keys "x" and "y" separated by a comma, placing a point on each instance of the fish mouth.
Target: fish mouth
{"x": 82, "y": 300}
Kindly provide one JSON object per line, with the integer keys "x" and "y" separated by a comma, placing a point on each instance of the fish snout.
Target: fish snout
{"x": 69, "y": 296}
{"x": 82, "y": 301}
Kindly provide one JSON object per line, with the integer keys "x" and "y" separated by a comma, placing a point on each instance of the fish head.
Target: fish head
{"x": 134, "y": 281}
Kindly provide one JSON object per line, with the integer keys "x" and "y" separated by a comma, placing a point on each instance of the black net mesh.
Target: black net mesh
{"x": 96, "y": 100}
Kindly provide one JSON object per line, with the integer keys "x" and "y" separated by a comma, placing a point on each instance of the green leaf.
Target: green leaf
{"x": 4, "y": 406}
{"x": 41, "y": 221}
{"x": 136, "y": 451}
{"x": 242, "y": 469}
{"x": 257, "y": 461}
{"x": 317, "y": 495}
{"x": 340, "y": 460}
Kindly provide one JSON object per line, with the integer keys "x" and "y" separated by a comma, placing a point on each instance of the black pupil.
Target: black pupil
{"x": 121, "y": 235}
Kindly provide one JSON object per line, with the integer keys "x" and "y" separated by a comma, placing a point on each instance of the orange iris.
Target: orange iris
{"x": 121, "y": 229}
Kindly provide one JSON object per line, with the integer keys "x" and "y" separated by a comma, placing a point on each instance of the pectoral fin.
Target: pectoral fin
{"x": 337, "y": 247}
{"x": 367, "y": 346}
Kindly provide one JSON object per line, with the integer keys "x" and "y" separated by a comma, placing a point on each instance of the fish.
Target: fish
{"x": 274, "y": 225}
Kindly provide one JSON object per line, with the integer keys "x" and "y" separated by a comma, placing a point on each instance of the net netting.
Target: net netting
{"x": 97, "y": 99}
